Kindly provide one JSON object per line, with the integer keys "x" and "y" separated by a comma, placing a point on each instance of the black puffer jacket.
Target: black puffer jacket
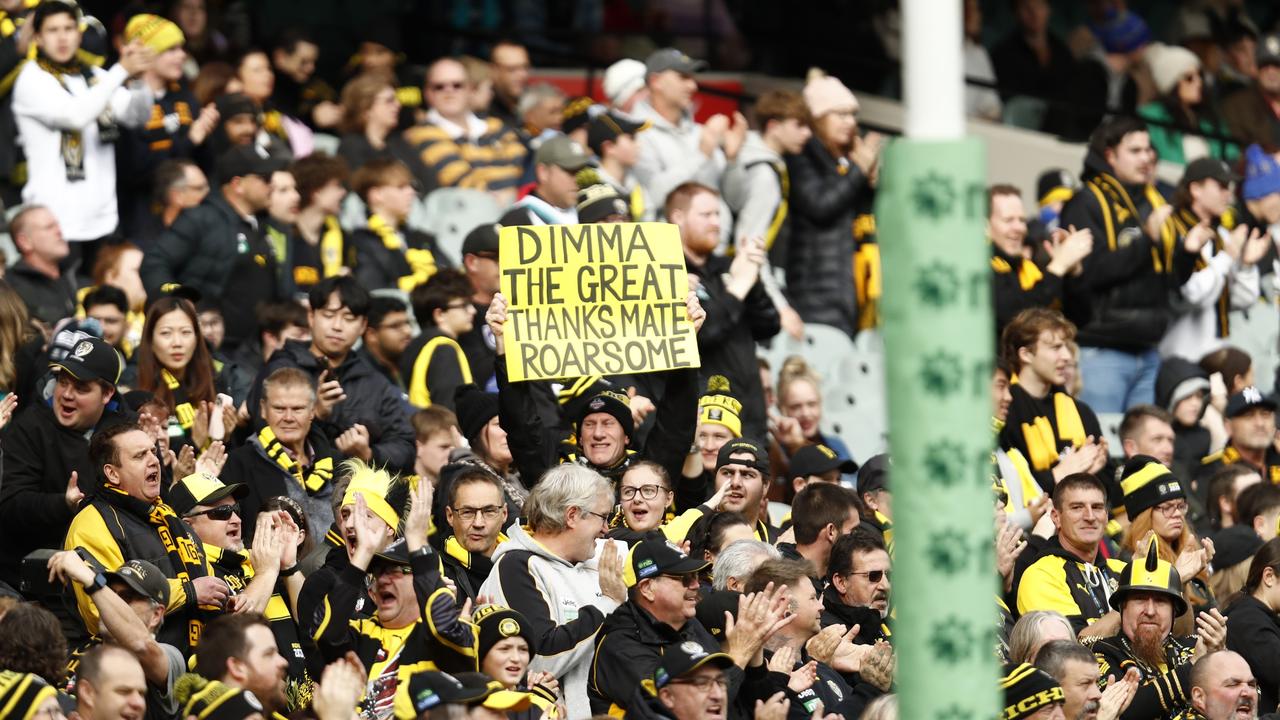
{"x": 213, "y": 249}
{"x": 824, "y": 203}
{"x": 371, "y": 401}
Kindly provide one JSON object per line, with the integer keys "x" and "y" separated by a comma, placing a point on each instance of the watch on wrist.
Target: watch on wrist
{"x": 291, "y": 570}
{"x": 99, "y": 582}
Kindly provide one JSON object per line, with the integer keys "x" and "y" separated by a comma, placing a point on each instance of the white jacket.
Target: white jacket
{"x": 563, "y": 604}
{"x": 1193, "y": 332}
{"x": 86, "y": 209}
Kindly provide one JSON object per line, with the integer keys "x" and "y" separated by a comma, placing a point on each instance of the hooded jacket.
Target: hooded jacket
{"x": 1253, "y": 630}
{"x": 1179, "y": 378}
{"x": 756, "y": 187}
{"x": 563, "y": 604}
{"x": 371, "y": 401}
{"x": 1058, "y": 580}
{"x": 871, "y": 627}
{"x": 825, "y": 196}
{"x": 1129, "y": 275}
{"x": 669, "y": 155}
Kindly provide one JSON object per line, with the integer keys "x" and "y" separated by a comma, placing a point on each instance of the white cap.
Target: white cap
{"x": 623, "y": 79}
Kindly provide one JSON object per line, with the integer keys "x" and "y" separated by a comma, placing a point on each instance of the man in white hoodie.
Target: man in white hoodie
{"x": 68, "y": 115}
{"x": 562, "y": 575}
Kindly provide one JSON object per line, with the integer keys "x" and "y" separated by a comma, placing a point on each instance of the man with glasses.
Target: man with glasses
{"x": 385, "y": 338}
{"x": 434, "y": 365}
{"x": 127, "y": 520}
{"x": 690, "y": 684}
{"x": 459, "y": 149}
{"x": 662, "y": 600}
{"x": 477, "y": 512}
{"x": 860, "y": 590}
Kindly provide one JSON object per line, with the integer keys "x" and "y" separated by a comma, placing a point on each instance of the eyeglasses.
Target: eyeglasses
{"x": 222, "y": 512}
{"x": 703, "y": 683}
{"x": 1172, "y": 509}
{"x": 603, "y": 518}
{"x": 388, "y": 569}
{"x": 439, "y": 87}
{"x": 490, "y": 512}
{"x": 648, "y": 492}
{"x": 873, "y": 576}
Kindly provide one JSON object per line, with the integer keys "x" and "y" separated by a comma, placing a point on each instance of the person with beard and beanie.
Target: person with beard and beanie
{"x": 504, "y": 646}
{"x": 1226, "y": 256}
{"x": 359, "y": 410}
{"x": 176, "y": 129}
{"x": 1156, "y": 502}
{"x": 433, "y": 365}
{"x": 479, "y": 424}
{"x": 553, "y": 200}
{"x": 859, "y": 590}
{"x": 739, "y": 311}
{"x": 604, "y": 426}
{"x": 480, "y": 260}
{"x": 218, "y": 248}
{"x": 47, "y": 467}
{"x": 387, "y": 253}
{"x": 1182, "y": 388}
{"x": 289, "y": 456}
{"x": 239, "y": 653}
{"x": 1136, "y": 264}
{"x": 1030, "y": 694}
{"x": 1148, "y": 598}
{"x": 1253, "y": 627}
{"x": 719, "y": 422}
{"x": 1058, "y": 435}
{"x": 662, "y": 598}
{"x": 69, "y": 115}
{"x": 1018, "y": 282}
{"x": 1251, "y": 429}
{"x": 476, "y": 512}
{"x": 127, "y": 520}
{"x": 1070, "y": 574}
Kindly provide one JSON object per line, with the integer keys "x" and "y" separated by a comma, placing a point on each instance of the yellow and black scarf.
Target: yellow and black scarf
{"x": 321, "y": 470}
{"x": 422, "y": 263}
{"x": 185, "y": 556}
{"x": 1118, "y": 209}
{"x": 182, "y": 408}
{"x": 72, "y": 141}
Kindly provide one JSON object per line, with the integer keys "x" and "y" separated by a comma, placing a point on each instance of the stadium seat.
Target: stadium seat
{"x": 325, "y": 143}
{"x": 353, "y": 215}
{"x": 451, "y": 213}
{"x": 1110, "y": 423}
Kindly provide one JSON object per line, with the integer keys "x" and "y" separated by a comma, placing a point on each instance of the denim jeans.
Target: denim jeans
{"x": 1115, "y": 381}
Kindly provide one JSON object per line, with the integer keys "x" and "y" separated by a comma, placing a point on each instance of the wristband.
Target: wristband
{"x": 293, "y": 569}
{"x": 423, "y": 551}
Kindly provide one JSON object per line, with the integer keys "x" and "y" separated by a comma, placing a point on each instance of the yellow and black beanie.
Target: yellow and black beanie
{"x": 497, "y": 623}
{"x": 1153, "y": 575}
{"x": 720, "y": 407}
{"x": 22, "y": 694}
{"x": 607, "y": 401}
{"x": 1146, "y": 483}
{"x": 153, "y": 31}
{"x": 1026, "y": 690}
{"x": 212, "y": 700}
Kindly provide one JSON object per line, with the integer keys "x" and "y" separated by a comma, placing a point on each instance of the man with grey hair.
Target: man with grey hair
{"x": 1033, "y": 631}
{"x": 1076, "y": 670}
{"x": 736, "y": 562}
{"x": 562, "y": 575}
{"x": 541, "y": 112}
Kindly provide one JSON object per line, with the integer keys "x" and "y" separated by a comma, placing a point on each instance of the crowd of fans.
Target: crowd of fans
{"x": 262, "y": 460}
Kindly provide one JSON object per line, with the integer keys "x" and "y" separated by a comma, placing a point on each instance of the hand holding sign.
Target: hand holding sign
{"x": 599, "y": 299}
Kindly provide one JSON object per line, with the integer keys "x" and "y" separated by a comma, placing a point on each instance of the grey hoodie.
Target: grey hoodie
{"x": 669, "y": 156}
{"x": 563, "y": 604}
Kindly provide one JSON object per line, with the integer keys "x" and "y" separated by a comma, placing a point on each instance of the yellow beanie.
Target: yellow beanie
{"x": 155, "y": 32}
{"x": 372, "y": 484}
{"x": 719, "y": 407}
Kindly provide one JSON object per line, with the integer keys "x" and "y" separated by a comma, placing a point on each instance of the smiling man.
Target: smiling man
{"x": 477, "y": 512}
{"x": 743, "y": 466}
{"x": 46, "y": 453}
{"x": 662, "y": 601}
{"x": 126, "y": 520}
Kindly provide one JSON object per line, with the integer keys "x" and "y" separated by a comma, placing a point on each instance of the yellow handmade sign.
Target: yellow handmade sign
{"x": 600, "y": 299}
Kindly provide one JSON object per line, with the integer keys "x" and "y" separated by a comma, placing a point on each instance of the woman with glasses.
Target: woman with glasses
{"x": 1156, "y": 503}
{"x": 644, "y": 494}
{"x": 1253, "y": 627}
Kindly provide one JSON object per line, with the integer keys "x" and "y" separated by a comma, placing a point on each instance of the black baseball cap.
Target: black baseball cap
{"x": 1248, "y": 399}
{"x": 682, "y": 658}
{"x": 819, "y": 459}
{"x": 654, "y": 556}
{"x": 242, "y": 160}
{"x": 202, "y": 489}
{"x": 433, "y": 688}
{"x": 397, "y": 553}
{"x": 1268, "y": 52}
{"x": 672, "y": 59}
{"x": 874, "y": 474}
{"x": 1208, "y": 168}
{"x": 143, "y": 578}
{"x": 609, "y": 126}
{"x": 598, "y": 203}
{"x": 759, "y": 455}
{"x": 233, "y": 104}
{"x": 483, "y": 239}
{"x": 90, "y": 359}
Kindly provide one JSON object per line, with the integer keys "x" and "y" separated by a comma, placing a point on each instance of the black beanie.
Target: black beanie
{"x": 607, "y": 401}
{"x": 475, "y": 408}
{"x": 497, "y": 623}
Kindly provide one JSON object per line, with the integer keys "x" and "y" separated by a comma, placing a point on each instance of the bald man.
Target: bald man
{"x": 1223, "y": 687}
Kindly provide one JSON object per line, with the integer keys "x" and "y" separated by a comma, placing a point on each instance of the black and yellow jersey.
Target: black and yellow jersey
{"x": 1164, "y": 690}
{"x": 1060, "y": 581}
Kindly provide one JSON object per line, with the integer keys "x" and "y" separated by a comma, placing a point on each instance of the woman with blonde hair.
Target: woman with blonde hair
{"x": 1156, "y": 503}
{"x": 800, "y": 402}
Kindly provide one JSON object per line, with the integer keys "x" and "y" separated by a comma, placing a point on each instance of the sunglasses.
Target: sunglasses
{"x": 222, "y": 512}
{"x": 873, "y": 576}
{"x": 438, "y": 87}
